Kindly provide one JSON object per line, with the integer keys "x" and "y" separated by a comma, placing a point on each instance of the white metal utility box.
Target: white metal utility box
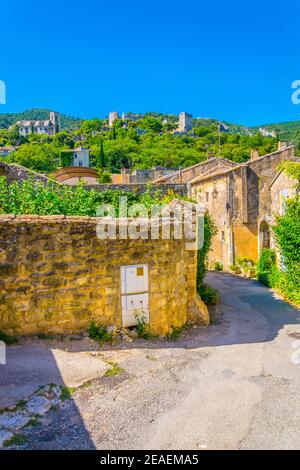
{"x": 134, "y": 294}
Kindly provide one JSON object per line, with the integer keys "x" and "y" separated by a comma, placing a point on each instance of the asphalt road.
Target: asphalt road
{"x": 234, "y": 385}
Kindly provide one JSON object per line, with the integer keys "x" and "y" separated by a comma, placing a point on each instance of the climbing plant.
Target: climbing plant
{"x": 287, "y": 235}
{"x": 207, "y": 293}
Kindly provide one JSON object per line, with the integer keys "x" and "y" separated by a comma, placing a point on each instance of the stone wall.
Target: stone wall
{"x": 180, "y": 189}
{"x": 14, "y": 172}
{"x": 56, "y": 275}
{"x": 185, "y": 175}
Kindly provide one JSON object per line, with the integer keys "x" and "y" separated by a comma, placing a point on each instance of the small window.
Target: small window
{"x": 206, "y": 197}
{"x": 223, "y": 236}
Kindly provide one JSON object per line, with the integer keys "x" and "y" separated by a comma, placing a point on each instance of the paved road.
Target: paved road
{"x": 234, "y": 385}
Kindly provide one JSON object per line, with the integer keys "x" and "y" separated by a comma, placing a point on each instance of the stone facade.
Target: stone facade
{"x": 14, "y": 172}
{"x": 185, "y": 175}
{"x": 240, "y": 200}
{"x": 180, "y": 189}
{"x": 185, "y": 122}
{"x": 49, "y": 126}
{"x": 56, "y": 276}
{"x": 140, "y": 175}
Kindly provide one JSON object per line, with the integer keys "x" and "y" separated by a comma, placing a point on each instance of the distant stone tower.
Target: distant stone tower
{"x": 185, "y": 122}
{"x": 55, "y": 120}
{"x": 113, "y": 115}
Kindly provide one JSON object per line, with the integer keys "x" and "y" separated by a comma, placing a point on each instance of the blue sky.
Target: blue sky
{"x": 230, "y": 60}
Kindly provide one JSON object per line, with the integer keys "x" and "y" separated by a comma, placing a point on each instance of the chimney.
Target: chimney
{"x": 210, "y": 155}
{"x": 254, "y": 154}
{"x": 282, "y": 145}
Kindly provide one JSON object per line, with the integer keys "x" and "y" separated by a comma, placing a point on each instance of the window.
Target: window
{"x": 206, "y": 196}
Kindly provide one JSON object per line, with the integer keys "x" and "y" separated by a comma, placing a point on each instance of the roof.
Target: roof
{"x": 296, "y": 160}
{"x": 183, "y": 170}
{"x": 238, "y": 166}
{"x": 78, "y": 149}
{"x": 38, "y": 123}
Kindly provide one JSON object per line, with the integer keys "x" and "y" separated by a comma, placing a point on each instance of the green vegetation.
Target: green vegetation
{"x": 8, "y": 339}
{"x": 142, "y": 328}
{"x": 143, "y": 143}
{"x": 286, "y": 230}
{"x": 218, "y": 266}
{"x": 246, "y": 266}
{"x": 67, "y": 392}
{"x": 32, "y": 197}
{"x": 267, "y": 271}
{"x": 16, "y": 440}
{"x": 235, "y": 268}
{"x": 287, "y": 234}
{"x": 99, "y": 333}
{"x": 207, "y": 294}
{"x": 176, "y": 331}
{"x": 114, "y": 370}
{"x": 292, "y": 169}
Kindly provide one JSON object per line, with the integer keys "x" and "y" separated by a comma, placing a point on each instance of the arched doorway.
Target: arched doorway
{"x": 264, "y": 235}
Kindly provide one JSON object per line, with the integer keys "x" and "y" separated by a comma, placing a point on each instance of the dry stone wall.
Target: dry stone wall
{"x": 56, "y": 275}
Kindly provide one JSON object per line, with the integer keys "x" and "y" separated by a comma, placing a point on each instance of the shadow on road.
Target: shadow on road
{"x": 26, "y": 371}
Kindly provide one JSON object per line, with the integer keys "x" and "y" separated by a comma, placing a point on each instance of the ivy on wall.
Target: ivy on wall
{"x": 287, "y": 234}
{"x": 207, "y": 293}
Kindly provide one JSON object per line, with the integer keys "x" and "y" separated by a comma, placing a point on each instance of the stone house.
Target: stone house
{"x": 186, "y": 175}
{"x": 49, "y": 126}
{"x": 185, "y": 122}
{"x": 240, "y": 202}
{"x": 282, "y": 188}
{"x": 140, "y": 176}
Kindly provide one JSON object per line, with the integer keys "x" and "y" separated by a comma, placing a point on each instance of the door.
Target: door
{"x": 134, "y": 294}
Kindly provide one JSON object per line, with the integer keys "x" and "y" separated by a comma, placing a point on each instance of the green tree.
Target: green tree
{"x": 38, "y": 157}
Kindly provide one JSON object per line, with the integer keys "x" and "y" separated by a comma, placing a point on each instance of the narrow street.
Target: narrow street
{"x": 234, "y": 385}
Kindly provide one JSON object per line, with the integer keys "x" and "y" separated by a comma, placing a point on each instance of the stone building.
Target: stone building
{"x": 186, "y": 175}
{"x": 80, "y": 156}
{"x": 240, "y": 202}
{"x": 138, "y": 176}
{"x": 57, "y": 275}
{"x": 49, "y": 126}
{"x": 185, "y": 123}
{"x": 113, "y": 116}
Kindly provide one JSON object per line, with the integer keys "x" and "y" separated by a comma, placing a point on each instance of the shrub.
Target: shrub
{"x": 175, "y": 332}
{"x": 8, "y": 339}
{"x": 267, "y": 268}
{"x": 99, "y": 332}
{"x": 34, "y": 197}
{"x": 208, "y": 295}
{"x": 202, "y": 263}
{"x": 235, "y": 268}
{"x": 142, "y": 328}
{"x": 218, "y": 266}
{"x": 246, "y": 265}
{"x": 287, "y": 235}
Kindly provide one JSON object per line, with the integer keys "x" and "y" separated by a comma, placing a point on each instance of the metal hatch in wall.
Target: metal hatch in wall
{"x": 134, "y": 294}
